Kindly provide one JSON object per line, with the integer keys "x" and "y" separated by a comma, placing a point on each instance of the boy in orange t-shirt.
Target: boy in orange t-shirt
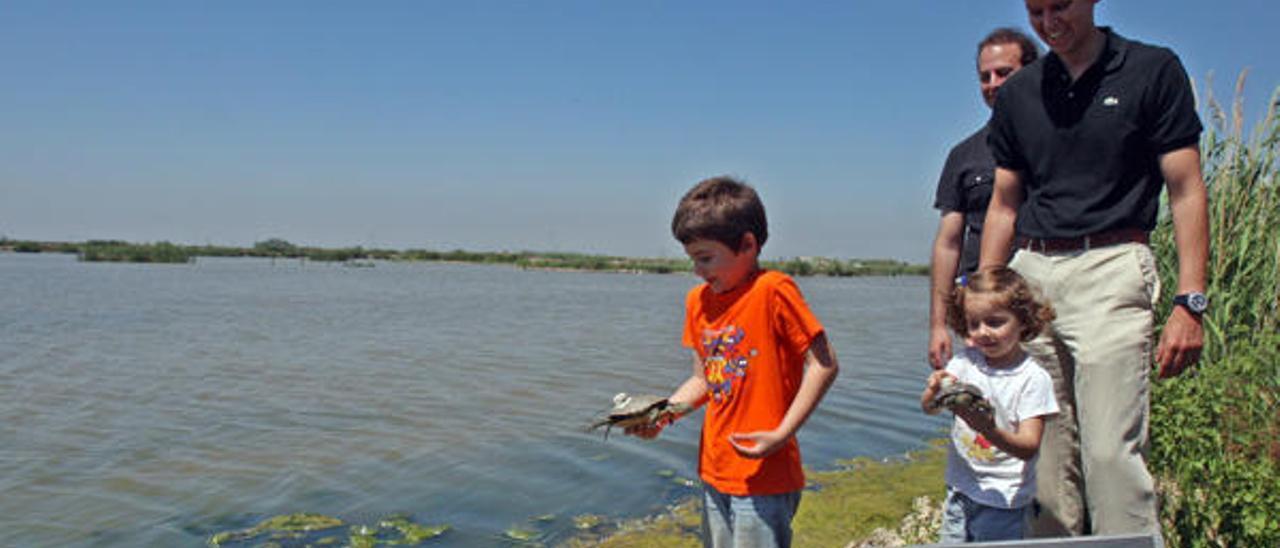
{"x": 761, "y": 364}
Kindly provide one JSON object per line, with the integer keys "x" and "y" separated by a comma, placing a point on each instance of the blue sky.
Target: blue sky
{"x": 486, "y": 125}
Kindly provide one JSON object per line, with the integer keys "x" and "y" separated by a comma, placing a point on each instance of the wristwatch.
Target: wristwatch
{"x": 1194, "y": 301}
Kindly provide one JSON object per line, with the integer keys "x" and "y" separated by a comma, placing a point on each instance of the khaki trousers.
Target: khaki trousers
{"x": 1092, "y": 474}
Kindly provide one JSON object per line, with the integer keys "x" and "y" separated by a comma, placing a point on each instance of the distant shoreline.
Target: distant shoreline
{"x": 169, "y": 253}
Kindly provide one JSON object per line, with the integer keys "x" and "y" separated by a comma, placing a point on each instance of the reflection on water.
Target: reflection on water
{"x": 155, "y": 405}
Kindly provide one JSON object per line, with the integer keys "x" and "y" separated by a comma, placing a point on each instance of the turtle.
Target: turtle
{"x": 955, "y": 394}
{"x": 628, "y": 411}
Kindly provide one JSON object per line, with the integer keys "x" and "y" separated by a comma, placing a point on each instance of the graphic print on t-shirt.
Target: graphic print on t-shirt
{"x": 725, "y": 359}
{"x": 978, "y": 447}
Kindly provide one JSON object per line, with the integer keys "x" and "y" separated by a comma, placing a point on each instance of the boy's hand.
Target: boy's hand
{"x": 757, "y": 445}
{"x": 650, "y": 431}
{"x": 644, "y": 431}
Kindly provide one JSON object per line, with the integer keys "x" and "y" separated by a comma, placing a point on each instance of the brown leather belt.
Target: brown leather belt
{"x": 1083, "y": 243}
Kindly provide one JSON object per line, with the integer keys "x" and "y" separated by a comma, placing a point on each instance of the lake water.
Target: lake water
{"x": 158, "y": 404}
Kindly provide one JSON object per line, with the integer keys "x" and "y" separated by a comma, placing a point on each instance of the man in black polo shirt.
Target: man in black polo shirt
{"x": 1084, "y": 140}
{"x": 964, "y": 189}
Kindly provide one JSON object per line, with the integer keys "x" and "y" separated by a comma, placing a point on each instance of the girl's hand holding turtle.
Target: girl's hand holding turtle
{"x": 980, "y": 422}
{"x": 931, "y": 388}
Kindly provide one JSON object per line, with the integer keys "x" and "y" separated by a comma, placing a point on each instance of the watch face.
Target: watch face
{"x": 1197, "y": 302}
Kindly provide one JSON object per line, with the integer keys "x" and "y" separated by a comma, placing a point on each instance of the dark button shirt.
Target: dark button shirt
{"x": 965, "y": 187}
{"x": 1089, "y": 150}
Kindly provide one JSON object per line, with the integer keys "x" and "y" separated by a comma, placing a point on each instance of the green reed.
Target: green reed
{"x": 1216, "y": 435}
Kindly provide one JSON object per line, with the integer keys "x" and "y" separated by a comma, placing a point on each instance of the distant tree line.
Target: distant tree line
{"x": 166, "y": 252}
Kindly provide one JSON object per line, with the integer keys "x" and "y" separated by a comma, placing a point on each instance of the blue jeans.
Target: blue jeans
{"x": 964, "y": 520}
{"x": 747, "y": 522}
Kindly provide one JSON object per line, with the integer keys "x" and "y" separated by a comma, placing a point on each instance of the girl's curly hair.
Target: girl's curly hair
{"x": 1012, "y": 291}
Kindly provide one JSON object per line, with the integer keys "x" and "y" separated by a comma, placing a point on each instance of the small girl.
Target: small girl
{"x": 991, "y": 463}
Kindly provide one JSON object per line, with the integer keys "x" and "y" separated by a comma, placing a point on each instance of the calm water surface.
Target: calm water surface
{"x": 156, "y": 405}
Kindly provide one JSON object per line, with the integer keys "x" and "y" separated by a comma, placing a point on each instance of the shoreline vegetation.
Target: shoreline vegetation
{"x": 169, "y": 253}
{"x": 1215, "y": 433}
{"x": 860, "y": 503}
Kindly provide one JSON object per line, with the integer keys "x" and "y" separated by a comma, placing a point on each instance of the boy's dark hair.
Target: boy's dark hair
{"x": 1013, "y": 293}
{"x": 722, "y": 209}
{"x": 1007, "y": 35}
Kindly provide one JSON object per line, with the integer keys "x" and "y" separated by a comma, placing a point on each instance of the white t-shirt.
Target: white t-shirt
{"x": 975, "y": 466}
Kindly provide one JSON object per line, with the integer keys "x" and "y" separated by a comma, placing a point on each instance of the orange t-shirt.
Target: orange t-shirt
{"x": 752, "y": 342}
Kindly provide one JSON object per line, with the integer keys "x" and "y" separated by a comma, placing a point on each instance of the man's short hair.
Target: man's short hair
{"x": 1007, "y": 35}
{"x": 722, "y": 209}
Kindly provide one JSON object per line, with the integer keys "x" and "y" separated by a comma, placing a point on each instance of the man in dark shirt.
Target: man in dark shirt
{"x": 965, "y": 188}
{"x": 1084, "y": 140}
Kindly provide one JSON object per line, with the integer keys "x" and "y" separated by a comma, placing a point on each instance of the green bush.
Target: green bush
{"x": 113, "y": 251}
{"x": 1216, "y": 435}
{"x": 275, "y": 247}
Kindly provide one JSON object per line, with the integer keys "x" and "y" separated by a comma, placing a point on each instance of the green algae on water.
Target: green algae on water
{"x": 362, "y": 536}
{"x": 410, "y": 532}
{"x": 678, "y": 480}
{"x": 683, "y": 482}
{"x": 299, "y": 522}
{"x": 520, "y": 535}
{"x": 280, "y": 526}
{"x": 586, "y": 522}
{"x": 395, "y": 530}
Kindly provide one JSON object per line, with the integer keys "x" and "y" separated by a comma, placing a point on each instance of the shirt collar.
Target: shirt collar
{"x": 981, "y": 361}
{"x": 1114, "y": 52}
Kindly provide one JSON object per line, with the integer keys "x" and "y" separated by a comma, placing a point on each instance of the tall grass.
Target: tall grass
{"x": 1216, "y": 435}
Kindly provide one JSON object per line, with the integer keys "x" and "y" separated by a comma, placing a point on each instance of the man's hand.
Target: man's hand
{"x": 942, "y": 272}
{"x": 1183, "y": 336}
{"x": 939, "y": 347}
{"x": 757, "y": 445}
{"x": 1180, "y": 343}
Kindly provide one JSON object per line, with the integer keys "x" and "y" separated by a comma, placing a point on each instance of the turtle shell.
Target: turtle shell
{"x": 628, "y": 406}
{"x": 955, "y": 394}
{"x": 630, "y": 411}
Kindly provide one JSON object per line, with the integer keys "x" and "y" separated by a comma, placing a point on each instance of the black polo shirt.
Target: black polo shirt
{"x": 1089, "y": 150}
{"x": 965, "y": 187}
